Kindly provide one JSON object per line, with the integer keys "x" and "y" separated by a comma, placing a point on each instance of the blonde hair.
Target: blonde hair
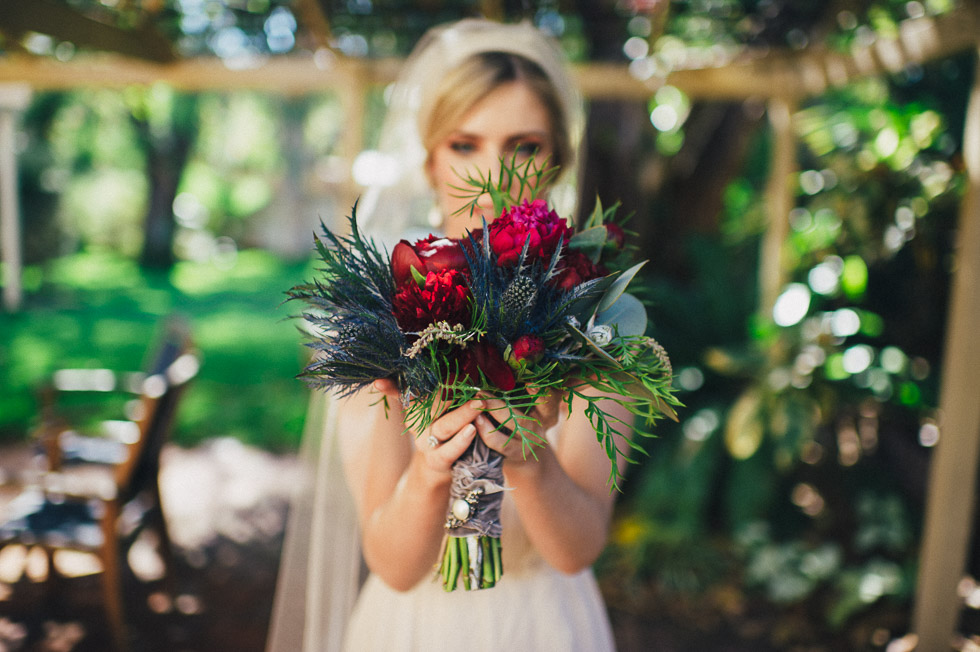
{"x": 479, "y": 75}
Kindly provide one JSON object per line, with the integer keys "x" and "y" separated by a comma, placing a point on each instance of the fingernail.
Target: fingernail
{"x": 477, "y": 404}
{"x": 468, "y": 430}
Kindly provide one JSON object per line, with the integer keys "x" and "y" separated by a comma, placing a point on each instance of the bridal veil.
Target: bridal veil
{"x": 320, "y": 570}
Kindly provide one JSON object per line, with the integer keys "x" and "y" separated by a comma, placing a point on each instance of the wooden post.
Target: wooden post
{"x": 953, "y": 471}
{"x": 13, "y": 100}
{"x": 779, "y": 202}
{"x": 353, "y": 97}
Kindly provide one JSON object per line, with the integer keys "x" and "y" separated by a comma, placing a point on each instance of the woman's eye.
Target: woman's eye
{"x": 461, "y": 147}
{"x": 527, "y": 149}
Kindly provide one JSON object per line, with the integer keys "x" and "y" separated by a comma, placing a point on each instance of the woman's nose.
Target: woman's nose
{"x": 489, "y": 171}
{"x": 489, "y": 167}
{"x": 484, "y": 204}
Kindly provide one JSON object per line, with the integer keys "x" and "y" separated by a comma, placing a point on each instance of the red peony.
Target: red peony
{"x": 444, "y": 297}
{"x": 486, "y": 358}
{"x": 431, "y": 254}
{"x": 574, "y": 269}
{"x": 531, "y": 222}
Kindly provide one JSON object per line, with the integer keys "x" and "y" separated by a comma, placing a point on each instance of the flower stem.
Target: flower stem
{"x": 476, "y": 560}
{"x": 464, "y": 554}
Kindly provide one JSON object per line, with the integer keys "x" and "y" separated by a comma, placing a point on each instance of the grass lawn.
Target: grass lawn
{"x": 98, "y": 310}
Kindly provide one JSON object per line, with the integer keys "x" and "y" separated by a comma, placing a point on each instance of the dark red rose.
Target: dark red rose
{"x": 403, "y": 258}
{"x": 615, "y": 235}
{"x": 441, "y": 254}
{"x": 444, "y": 297}
{"x": 531, "y": 222}
{"x": 486, "y": 358}
{"x": 431, "y": 254}
{"x": 576, "y": 268}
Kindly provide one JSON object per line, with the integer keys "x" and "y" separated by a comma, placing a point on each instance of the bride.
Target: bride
{"x": 471, "y": 94}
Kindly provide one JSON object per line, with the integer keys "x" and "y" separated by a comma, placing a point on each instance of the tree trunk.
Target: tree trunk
{"x": 166, "y": 155}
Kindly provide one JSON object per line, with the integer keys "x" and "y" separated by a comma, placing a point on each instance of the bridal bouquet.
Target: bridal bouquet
{"x": 524, "y": 307}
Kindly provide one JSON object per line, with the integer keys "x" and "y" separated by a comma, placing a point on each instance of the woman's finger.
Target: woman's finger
{"x": 510, "y": 418}
{"x": 546, "y": 408}
{"x": 441, "y": 455}
{"x": 494, "y": 435}
{"x": 452, "y": 422}
{"x": 386, "y": 386}
{"x": 450, "y": 450}
{"x": 515, "y": 447}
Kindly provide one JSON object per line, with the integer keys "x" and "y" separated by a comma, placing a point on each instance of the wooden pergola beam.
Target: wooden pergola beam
{"x": 775, "y": 74}
{"x": 289, "y": 75}
{"x": 815, "y": 70}
{"x": 65, "y": 23}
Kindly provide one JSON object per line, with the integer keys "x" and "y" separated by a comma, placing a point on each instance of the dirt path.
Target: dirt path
{"x": 226, "y": 506}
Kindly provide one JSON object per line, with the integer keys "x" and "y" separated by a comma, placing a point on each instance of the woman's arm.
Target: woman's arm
{"x": 399, "y": 483}
{"x": 563, "y": 497}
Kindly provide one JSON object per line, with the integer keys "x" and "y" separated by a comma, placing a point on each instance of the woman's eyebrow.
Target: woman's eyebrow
{"x": 542, "y": 135}
{"x": 456, "y": 133}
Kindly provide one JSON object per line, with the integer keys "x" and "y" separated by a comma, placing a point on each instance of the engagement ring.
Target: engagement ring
{"x": 433, "y": 442}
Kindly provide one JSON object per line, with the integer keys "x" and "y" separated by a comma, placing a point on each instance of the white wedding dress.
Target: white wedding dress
{"x": 532, "y": 608}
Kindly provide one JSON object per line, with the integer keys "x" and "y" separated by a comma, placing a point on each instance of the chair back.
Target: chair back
{"x": 172, "y": 368}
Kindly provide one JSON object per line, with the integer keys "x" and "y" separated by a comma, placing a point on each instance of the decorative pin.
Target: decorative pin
{"x": 463, "y": 508}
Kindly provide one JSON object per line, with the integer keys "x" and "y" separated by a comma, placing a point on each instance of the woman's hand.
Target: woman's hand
{"x": 446, "y": 438}
{"x": 496, "y": 426}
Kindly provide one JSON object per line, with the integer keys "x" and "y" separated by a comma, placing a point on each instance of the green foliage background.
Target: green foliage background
{"x": 795, "y": 479}
{"x": 99, "y": 310}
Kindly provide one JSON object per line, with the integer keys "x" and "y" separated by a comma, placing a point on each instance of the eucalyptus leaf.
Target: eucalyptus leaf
{"x": 618, "y": 287}
{"x": 596, "y": 218}
{"x": 585, "y": 306}
{"x": 627, "y": 314}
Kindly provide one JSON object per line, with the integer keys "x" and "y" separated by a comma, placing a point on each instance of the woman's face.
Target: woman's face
{"x": 510, "y": 121}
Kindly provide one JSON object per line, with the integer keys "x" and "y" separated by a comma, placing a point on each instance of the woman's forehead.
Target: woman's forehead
{"x": 512, "y": 109}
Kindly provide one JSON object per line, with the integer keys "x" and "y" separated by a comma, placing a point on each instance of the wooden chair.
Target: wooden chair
{"x": 63, "y": 513}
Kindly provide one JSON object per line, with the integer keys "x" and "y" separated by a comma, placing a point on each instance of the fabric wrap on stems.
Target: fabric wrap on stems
{"x": 471, "y": 554}
{"x": 477, "y": 480}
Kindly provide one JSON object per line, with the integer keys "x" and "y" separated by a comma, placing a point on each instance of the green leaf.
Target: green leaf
{"x": 618, "y": 287}
{"x": 596, "y": 218}
{"x": 584, "y": 307}
{"x": 854, "y": 278}
{"x": 627, "y": 314}
{"x": 418, "y": 276}
{"x": 745, "y": 429}
{"x": 635, "y": 387}
{"x": 590, "y": 241}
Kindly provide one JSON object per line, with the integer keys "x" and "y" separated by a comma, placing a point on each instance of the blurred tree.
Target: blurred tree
{"x": 166, "y": 124}
{"x": 39, "y": 184}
